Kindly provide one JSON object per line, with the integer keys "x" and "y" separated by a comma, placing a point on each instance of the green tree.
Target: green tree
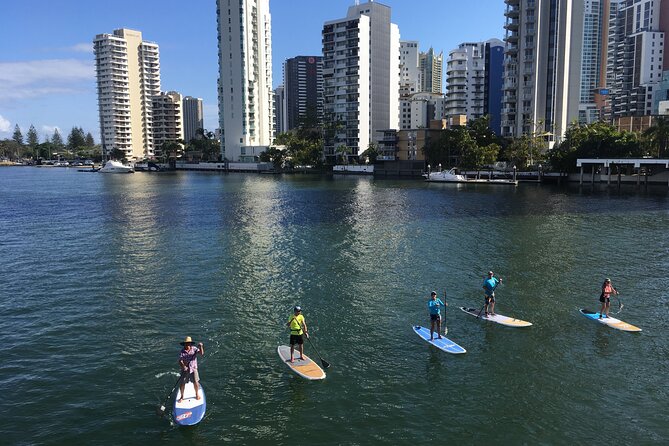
{"x": 275, "y": 156}
{"x": 76, "y": 139}
{"x": 658, "y": 136}
{"x": 597, "y": 140}
{"x": 449, "y": 147}
{"x": 33, "y": 138}
{"x": 372, "y": 153}
{"x": 117, "y": 154}
{"x": 90, "y": 142}
{"x": 17, "y": 136}
{"x": 57, "y": 140}
{"x": 475, "y": 157}
{"x": 524, "y": 151}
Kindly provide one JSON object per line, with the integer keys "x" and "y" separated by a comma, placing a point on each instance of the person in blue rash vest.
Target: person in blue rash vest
{"x": 489, "y": 285}
{"x": 434, "y": 306}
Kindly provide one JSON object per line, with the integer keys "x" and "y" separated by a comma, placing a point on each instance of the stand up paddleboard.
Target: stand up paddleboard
{"x": 444, "y": 343}
{"x": 190, "y": 411}
{"x": 304, "y": 367}
{"x": 504, "y": 320}
{"x": 610, "y": 321}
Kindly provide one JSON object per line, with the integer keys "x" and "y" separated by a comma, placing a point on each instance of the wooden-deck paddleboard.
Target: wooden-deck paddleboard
{"x": 304, "y": 367}
{"x": 504, "y": 320}
{"x": 610, "y": 321}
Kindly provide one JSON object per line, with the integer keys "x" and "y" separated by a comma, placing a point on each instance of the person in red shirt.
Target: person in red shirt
{"x": 605, "y": 297}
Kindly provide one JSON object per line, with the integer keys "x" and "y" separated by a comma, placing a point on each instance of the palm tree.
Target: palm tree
{"x": 658, "y": 135}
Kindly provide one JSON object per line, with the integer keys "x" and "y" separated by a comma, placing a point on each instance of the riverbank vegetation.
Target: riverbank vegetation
{"x": 78, "y": 145}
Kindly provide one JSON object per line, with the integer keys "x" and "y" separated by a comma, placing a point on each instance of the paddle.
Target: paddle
{"x": 323, "y": 361}
{"x": 620, "y": 304}
{"x": 162, "y": 408}
{"x": 442, "y": 320}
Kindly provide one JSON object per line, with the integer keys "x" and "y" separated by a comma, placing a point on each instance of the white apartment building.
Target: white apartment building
{"x": 193, "y": 117}
{"x": 419, "y": 109}
{"x": 465, "y": 80}
{"x": 167, "y": 119}
{"x": 542, "y": 67}
{"x": 245, "y": 95}
{"x": 361, "y": 71}
{"x": 128, "y": 76}
{"x": 410, "y": 73}
{"x": 636, "y": 55}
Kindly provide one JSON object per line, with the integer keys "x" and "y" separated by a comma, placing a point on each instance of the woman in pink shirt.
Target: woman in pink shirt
{"x": 605, "y": 297}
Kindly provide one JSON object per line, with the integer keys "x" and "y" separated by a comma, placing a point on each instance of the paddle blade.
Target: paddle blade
{"x": 325, "y": 363}
{"x": 161, "y": 410}
{"x": 445, "y": 331}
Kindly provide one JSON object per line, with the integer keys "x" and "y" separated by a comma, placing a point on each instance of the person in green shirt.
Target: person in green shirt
{"x": 298, "y": 327}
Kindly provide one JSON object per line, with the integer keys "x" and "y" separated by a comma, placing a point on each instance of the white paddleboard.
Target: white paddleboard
{"x": 500, "y": 319}
{"x": 610, "y": 321}
{"x": 304, "y": 367}
{"x": 190, "y": 410}
{"x": 444, "y": 343}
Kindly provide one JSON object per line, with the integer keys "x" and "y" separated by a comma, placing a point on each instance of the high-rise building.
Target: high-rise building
{"x": 595, "y": 42}
{"x": 193, "y": 117}
{"x": 167, "y": 119}
{"x": 474, "y": 81}
{"x": 636, "y": 56}
{"x": 409, "y": 68}
{"x": 542, "y": 67}
{"x": 280, "y": 125}
{"x": 128, "y": 76}
{"x": 361, "y": 71}
{"x": 431, "y": 71}
{"x": 420, "y": 109}
{"x": 245, "y": 96}
{"x": 303, "y": 83}
{"x": 494, "y": 80}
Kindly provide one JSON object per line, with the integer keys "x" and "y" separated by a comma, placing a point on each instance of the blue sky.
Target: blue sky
{"x": 46, "y": 59}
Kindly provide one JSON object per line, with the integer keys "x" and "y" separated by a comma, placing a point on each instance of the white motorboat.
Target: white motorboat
{"x": 450, "y": 176}
{"x": 115, "y": 167}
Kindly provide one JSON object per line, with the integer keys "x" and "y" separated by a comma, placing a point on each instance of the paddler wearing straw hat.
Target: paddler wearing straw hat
{"x": 188, "y": 364}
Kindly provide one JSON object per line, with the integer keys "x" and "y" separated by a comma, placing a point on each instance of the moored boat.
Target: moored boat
{"x": 450, "y": 176}
{"x": 115, "y": 167}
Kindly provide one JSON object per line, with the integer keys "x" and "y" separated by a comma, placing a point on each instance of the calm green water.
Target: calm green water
{"x": 103, "y": 275}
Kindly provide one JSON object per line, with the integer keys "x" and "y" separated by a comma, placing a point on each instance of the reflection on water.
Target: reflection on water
{"x": 104, "y": 277}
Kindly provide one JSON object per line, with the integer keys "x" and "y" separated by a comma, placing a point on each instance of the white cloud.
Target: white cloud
{"x": 84, "y": 47}
{"x": 19, "y": 80}
{"x": 49, "y": 129}
{"x": 5, "y": 125}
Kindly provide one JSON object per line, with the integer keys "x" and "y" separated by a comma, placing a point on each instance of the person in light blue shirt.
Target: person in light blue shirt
{"x": 434, "y": 306}
{"x": 489, "y": 285}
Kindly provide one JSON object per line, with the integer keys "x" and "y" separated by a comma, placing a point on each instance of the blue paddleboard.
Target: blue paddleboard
{"x": 190, "y": 411}
{"x": 444, "y": 343}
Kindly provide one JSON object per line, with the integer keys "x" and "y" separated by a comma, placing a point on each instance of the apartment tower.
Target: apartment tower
{"x": 410, "y": 73}
{"x": 431, "y": 71}
{"x": 245, "y": 96}
{"x": 128, "y": 76}
{"x": 361, "y": 72}
{"x": 280, "y": 125}
{"x": 303, "y": 83}
{"x": 167, "y": 119}
{"x": 474, "y": 80}
{"x": 193, "y": 117}
{"x": 542, "y": 67}
{"x": 636, "y": 56}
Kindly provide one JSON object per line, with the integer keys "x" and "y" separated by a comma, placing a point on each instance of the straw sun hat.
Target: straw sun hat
{"x": 188, "y": 340}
